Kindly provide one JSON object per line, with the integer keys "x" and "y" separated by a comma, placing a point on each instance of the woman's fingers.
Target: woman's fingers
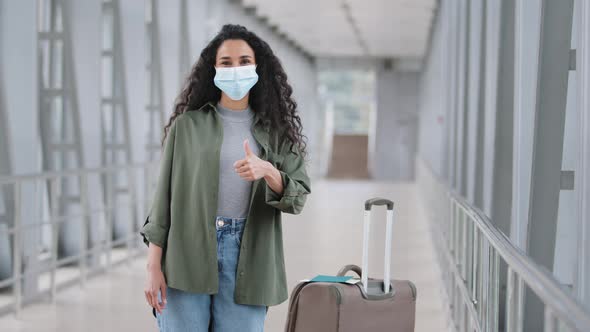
{"x": 155, "y": 300}
{"x": 249, "y": 171}
{"x": 241, "y": 162}
{"x": 156, "y": 283}
{"x": 148, "y": 298}
{"x": 247, "y": 175}
{"x": 246, "y": 172}
{"x": 163, "y": 293}
{"x": 243, "y": 168}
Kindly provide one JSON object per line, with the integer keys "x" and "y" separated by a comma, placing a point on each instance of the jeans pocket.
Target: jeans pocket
{"x": 238, "y": 237}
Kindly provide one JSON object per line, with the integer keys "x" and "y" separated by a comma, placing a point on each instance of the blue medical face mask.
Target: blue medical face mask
{"x": 235, "y": 81}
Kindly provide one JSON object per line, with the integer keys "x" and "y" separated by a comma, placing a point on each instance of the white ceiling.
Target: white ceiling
{"x": 377, "y": 28}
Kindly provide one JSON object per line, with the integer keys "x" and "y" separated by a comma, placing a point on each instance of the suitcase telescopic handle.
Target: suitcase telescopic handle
{"x": 388, "y": 231}
{"x": 378, "y": 201}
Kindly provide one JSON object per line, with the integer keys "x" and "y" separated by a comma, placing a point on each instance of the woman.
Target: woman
{"x": 232, "y": 162}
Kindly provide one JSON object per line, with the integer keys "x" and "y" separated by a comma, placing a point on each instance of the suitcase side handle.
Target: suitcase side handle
{"x": 388, "y": 232}
{"x": 350, "y": 267}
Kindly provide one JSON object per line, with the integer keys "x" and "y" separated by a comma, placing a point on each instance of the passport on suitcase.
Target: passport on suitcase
{"x": 370, "y": 305}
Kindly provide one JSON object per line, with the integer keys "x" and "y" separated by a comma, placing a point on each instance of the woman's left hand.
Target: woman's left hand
{"x": 251, "y": 167}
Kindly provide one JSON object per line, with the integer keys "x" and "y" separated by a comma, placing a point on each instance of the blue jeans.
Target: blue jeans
{"x": 185, "y": 311}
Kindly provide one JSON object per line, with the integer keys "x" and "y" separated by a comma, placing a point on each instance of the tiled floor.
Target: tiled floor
{"x": 326, "y": 236}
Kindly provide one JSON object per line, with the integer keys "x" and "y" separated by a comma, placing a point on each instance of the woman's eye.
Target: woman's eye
{"x": 229, "y": 64}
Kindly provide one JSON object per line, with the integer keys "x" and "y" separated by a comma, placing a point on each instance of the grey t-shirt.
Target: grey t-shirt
{"x": 234, "y": 192}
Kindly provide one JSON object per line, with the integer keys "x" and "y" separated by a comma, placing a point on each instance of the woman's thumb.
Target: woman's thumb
{"x": 247, "y": 148}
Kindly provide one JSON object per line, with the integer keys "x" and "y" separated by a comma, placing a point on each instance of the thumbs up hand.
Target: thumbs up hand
{"x": 251, "y": 167}
{"x": 247, "y": 148}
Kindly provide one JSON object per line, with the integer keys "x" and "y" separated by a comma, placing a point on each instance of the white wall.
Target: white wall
{"x": 396, "y": 125}
{"x": 432, "y": 116}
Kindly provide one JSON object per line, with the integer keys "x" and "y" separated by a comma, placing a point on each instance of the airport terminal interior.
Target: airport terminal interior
{"x": 471, "y": 116}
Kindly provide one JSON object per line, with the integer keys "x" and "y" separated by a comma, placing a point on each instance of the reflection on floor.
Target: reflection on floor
{"x": 325, "y": 237}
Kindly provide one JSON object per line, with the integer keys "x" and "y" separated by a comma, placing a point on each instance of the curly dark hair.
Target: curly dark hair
{"x": 270, "y": 97}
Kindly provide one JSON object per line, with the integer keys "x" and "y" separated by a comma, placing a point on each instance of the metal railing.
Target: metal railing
{"x": 474, "y": 254}
{"x": 34, "y": 245}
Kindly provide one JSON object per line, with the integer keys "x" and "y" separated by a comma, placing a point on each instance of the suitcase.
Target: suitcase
{"x": 370, "y": 305}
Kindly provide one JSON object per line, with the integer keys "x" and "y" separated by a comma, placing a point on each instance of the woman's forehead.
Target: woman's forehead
{"x": 234, "y": 49}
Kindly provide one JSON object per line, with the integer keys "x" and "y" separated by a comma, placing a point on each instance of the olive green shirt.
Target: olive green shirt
{"x": 182, "y": 213}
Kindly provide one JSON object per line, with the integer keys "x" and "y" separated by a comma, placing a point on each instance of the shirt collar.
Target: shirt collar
{"x": 257, "y": 130}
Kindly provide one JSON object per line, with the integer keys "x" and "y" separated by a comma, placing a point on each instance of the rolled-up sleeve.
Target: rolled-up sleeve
{"x": 156, "y": 226}
{"x": 296, "y": 182}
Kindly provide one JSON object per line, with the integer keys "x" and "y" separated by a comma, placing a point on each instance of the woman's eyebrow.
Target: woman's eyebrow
{"x": 229, "y": 58}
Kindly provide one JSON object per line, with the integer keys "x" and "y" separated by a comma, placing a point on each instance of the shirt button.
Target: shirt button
{"x": 242, "y": 273}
